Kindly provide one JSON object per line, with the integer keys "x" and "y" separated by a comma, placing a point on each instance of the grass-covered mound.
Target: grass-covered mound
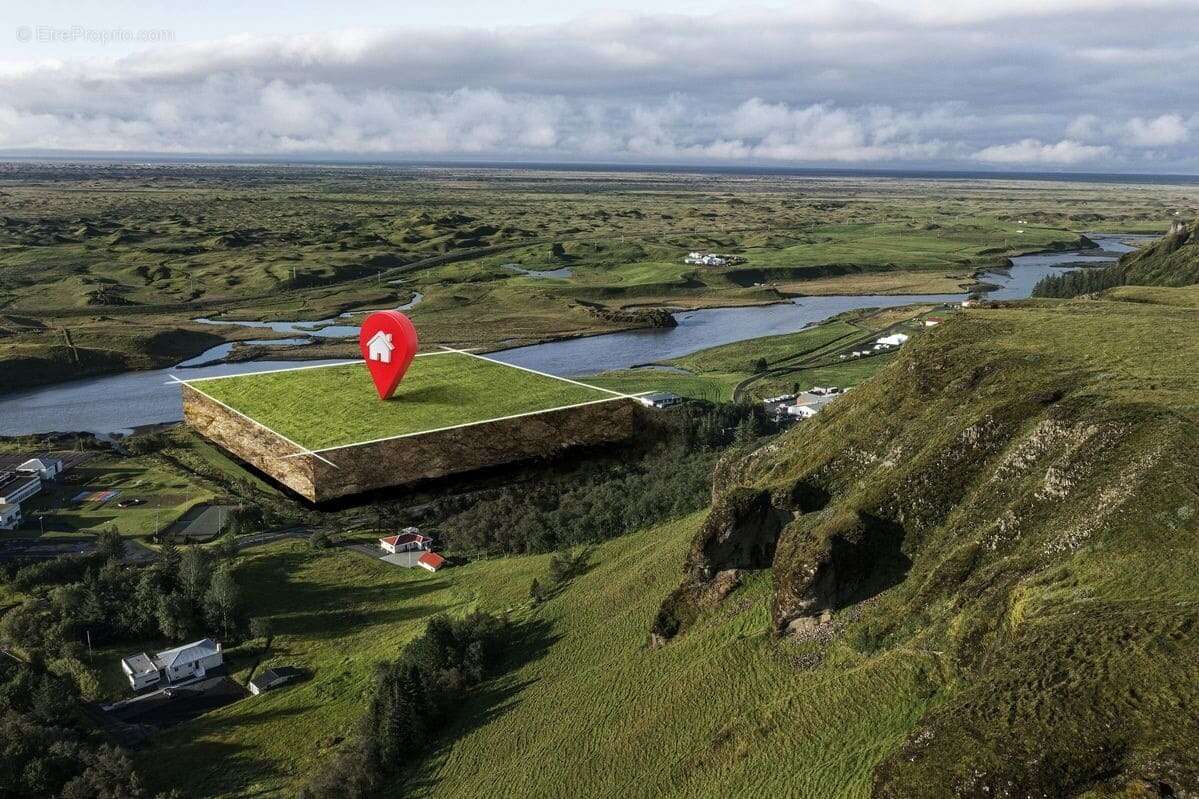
{"x": 1171, "y": 261}
{"x": 338, "y": 405}
{"x": 1016, "y": 498}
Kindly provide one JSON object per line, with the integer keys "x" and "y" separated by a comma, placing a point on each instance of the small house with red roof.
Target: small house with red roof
{"x": 430, "y": 561}
{"x": 408, "y": 540}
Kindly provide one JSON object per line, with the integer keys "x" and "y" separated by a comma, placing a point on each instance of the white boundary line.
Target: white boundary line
{"x": 544, "y": 374}
{"x": 303, "y": 450}
{"x": 299, "y": 368}
{"x": 468, "y": 424}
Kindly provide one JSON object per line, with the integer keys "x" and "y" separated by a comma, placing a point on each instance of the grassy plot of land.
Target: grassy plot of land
{"x": 915, "y": 245}
{"x": 337, "y": 405}
{"x": 587, "y": 708}
{"x": 889, "y": 282}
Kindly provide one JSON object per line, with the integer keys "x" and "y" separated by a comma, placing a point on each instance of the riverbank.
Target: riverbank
{"x": 150, "y": 397}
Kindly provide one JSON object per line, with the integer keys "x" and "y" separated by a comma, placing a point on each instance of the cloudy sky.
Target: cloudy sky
{"x": 1085, "y": 85}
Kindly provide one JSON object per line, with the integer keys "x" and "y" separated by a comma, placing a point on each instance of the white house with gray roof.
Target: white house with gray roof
{"x": 190, "y": 661}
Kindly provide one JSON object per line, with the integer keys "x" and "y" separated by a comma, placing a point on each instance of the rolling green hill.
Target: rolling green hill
{"x": 1171, "y": 261}
{"x": 1016, "y": 500}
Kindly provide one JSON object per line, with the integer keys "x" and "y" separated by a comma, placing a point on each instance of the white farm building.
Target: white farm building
{"x": 185, "y": 662}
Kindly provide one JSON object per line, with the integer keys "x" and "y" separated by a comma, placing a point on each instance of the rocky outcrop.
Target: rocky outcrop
{"x": 740, "y": 532}
{"x": 632, "y": 317}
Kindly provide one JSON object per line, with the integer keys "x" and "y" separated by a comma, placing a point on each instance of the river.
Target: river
{"x": 119, "y": 403}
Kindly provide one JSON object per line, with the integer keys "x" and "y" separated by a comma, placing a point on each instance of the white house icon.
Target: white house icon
{"x": 380, "y": 347}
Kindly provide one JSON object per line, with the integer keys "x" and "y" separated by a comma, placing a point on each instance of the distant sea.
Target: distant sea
{"x": 566, "y": 166}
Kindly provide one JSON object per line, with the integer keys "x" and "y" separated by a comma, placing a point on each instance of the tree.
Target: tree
{"x": 153, "y": 583}
{"x": 747, "y": 431}
{"x": 195, "y": 570}
{"x": 110, "y": 545}
{"x": 169, "y": 553}
{"x": 319, "y": 540}
{"x": 222, "y": 601}
{"x": 535, "y": 592}
{"x": 760, "y": 366}
{"x": 227, "y": 546}
{"x": 108, "y": 773}
{"x": 51, "y": 701}
{"x": 176, "y": 616}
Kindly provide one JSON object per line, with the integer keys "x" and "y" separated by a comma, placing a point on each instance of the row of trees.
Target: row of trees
{"x": 48, "y": 749}
{"x": 98, "y": 600}
{"x": 411, "y": 702}
{"x": 1079, "y": 281}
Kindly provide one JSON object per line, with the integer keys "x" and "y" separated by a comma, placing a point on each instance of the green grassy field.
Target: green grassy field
{"x": 165, "y": 494}
{"x": 337, "y": 405}
{"x": 589, "y": 709}
{"x": 337, "y": 614}
{"x": 103, "y": 268}
{"x": 1014, "y": 494}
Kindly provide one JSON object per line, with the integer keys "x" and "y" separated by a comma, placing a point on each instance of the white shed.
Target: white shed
{"x": 45, "y": 468}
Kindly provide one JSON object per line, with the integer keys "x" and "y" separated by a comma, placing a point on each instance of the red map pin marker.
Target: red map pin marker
{"x": 388, "y": 344}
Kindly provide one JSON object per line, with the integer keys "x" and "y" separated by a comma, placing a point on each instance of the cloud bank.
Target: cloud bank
{"x": 1079, "y": 84}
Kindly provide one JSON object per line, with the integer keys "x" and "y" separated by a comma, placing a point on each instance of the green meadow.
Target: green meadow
{"x": 585, "y": 708}
{"x": 338, "y": 405}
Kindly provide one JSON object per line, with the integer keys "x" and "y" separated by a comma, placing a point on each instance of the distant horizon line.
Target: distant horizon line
{"x": 198, "y": 159}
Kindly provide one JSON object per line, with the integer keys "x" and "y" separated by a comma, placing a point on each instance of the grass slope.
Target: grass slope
{"x": 1171, "y": 261}
{"x": 1016, "y": 495}
{"x": 590, "y": 710}
{"x": 337, "y": 405}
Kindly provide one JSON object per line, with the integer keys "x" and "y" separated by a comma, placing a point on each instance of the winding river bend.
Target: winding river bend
{"x": 120, "y": 403}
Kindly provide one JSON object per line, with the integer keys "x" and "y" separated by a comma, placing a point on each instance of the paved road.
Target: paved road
{"x": 44, "y": 549}
{"x": 260, "y": 539}
{"x": 301, "y": 534}
{"x": 136, "y": 552}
